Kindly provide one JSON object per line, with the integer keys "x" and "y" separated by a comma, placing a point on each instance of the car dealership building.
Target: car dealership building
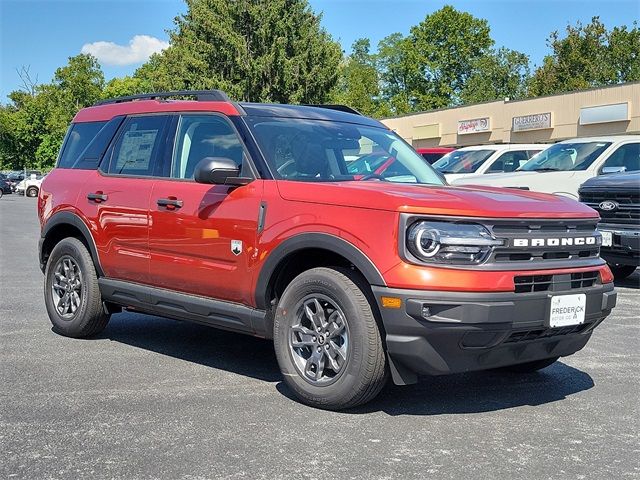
{"x": 613, "y": 110}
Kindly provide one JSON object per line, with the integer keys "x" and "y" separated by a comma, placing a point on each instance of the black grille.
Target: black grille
{"x": 532, "y": 256}
{"x": 533, "y": 283}
{"x": 628, "y": 211}
{"x": 583, "y": 279}
{"x": 528, "y": 335}
{"x": 555, "y": 283}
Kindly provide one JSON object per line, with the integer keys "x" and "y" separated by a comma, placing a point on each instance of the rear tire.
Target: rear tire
{"x": 531, "y": 367}
{"x": 327, "y": 341}
{"x": 620, "y": 272}
{"x": 32, "y": 192}
{"x": 71, "y": 292}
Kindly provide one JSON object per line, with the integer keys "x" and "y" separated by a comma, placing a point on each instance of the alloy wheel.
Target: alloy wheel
{"x": 319, "y": 340}
{"x": 66, "y": 289}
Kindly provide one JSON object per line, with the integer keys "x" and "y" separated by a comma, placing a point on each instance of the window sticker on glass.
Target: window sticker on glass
{"x": 136, "y": 148}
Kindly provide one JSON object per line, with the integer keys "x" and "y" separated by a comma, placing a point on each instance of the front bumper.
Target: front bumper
{"x": 437, "y": 333}
{"x": 625, "y": 249}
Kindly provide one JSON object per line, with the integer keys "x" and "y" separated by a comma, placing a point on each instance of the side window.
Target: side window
{"x": 627, "y": 156}
{"x": 78, "y": 137}
{"x": 138, "y": 150}
{"x": 508, "y": 161}
{"x": 202, "y": 136}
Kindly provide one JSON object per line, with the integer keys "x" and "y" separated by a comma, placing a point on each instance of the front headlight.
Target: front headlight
{"x": 450, "y": 243}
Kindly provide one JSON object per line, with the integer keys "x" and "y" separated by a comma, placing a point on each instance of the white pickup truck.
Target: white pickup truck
{"x": 563, "y": 167}
{"x": 485, "y": 159}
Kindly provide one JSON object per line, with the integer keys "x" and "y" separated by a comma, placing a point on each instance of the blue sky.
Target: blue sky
{"x": 42, "y": 34}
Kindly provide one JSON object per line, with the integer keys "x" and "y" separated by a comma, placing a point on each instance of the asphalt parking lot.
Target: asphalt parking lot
{"x": 156, "y": 398}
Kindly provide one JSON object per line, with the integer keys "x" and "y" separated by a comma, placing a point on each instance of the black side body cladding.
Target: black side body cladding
{"x": 313, "y": 240}
{"x": 176, "y": 305}
{"x": 74, "y": 220}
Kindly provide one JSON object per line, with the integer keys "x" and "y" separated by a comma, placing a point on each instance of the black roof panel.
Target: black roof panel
{"x": 307, "y": 112}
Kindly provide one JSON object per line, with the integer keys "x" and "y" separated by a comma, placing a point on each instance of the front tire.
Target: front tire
{"x": 327, "y": 341}
{"x": 71, "y": 292}
{"x": 620, "y": 272}
{"x": 32, "y": 192}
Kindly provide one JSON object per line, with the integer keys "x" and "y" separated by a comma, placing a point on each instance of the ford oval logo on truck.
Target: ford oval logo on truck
{"x": 608, "y": 206}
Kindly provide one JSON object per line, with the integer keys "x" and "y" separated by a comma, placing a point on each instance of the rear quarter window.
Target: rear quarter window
{"x": 78, "y": 137}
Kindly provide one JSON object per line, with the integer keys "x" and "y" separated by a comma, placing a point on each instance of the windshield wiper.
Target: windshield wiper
{"x": 545, "y": 169}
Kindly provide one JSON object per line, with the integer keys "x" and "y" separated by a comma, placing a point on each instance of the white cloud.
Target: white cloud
{"x": 140, "y": 48}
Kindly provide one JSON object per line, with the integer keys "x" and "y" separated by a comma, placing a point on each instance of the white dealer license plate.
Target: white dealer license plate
{"x": 567, "y": 310}
{"x": 607, "y": 238}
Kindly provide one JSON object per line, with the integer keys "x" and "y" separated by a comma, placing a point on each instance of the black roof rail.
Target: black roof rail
{"x": 201, "y": 96}
{"x": 340, "y": 108}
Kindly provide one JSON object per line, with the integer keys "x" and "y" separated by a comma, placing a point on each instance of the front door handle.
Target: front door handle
{"x": 169, "y": 203}
{"x": 97, "y": 197}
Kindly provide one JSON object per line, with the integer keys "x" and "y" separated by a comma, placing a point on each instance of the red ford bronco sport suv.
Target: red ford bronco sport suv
{"x": 243, "y": 216}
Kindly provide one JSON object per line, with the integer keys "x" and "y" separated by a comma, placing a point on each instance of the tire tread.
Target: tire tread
{"x": 373, "y": 374}
{"x": 95, "y": 319}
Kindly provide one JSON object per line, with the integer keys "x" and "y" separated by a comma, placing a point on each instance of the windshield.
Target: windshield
{"x": 323, "y": 151}
{"x": 462, "y": 161}
{"x": 368, "y": 163}
{"x": 566, "y": 157}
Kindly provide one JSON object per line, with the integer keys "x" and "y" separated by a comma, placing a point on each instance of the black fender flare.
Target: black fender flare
{"x": 70, "y": 218}
{"x": 313, "y": 240}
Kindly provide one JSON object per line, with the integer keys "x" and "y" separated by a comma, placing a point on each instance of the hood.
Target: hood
{"x": 614, "y": 180}
{"x": 452, "y": 177}
{"x": 510, "y": 179}
{"x": 436, "y": 200}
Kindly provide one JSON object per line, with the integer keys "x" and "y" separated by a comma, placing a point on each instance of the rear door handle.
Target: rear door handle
{"x": 169, "y": 203}
{"x": 97, "y": 197}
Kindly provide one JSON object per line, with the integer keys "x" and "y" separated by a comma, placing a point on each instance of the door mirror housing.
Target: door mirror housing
{"x": 606, "y": 170}
{"x": 219, "y": 171}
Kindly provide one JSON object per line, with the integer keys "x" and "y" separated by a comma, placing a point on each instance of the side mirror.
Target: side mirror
{"x": 606, "y": 170}
{"x": 219, "y": 171}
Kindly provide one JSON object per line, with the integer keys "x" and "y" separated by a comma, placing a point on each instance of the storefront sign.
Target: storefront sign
{"x": 426, "y": 131}
{"x": 476, "y": 125}
{"x": 536, "y": 121}
{"x": 617, "y": 112}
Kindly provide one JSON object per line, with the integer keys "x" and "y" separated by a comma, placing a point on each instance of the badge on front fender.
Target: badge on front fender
{"x": 236, "y": 247}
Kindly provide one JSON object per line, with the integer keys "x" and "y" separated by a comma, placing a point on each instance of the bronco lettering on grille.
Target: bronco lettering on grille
{"x": 554, "y": 242}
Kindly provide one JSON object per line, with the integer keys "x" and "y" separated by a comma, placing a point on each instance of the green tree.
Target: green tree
{"x": 33, "y": 125}
{"x": 501, "y": 74}
{"x": 80, "y": 81}
{"x": 358, "y": 81}
{"x": 395, "y": 70}
{"x": 442, "y": 51}
{"x": 124, "y": 86}
{"x": 256, "y": 50}
{"x": 8, "y": 140}
{"x": 624, "y": 53}
{"x": 588, "y": 56}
